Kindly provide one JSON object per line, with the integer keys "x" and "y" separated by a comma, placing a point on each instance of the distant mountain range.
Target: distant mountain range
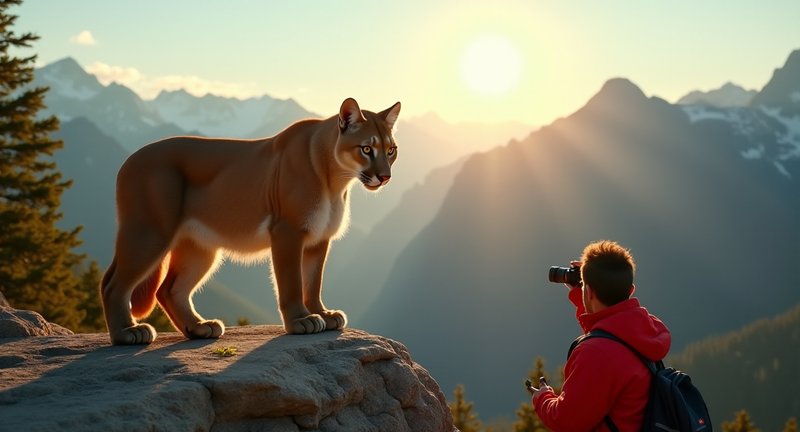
{"x": 706, "y": 198}
{"x": 729, "y": 95}
{"x": 134, "y": 122}
{"x": 116, "y": 110}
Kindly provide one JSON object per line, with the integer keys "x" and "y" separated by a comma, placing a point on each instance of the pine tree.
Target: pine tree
{"x": 741, "y": 423}
{"x": 36, "y": 258}
{"x": 464, "y": 417}
{"x": 93, "y": 320}
{"x": 791, "y": 425}
{"x": 527, "y": 419}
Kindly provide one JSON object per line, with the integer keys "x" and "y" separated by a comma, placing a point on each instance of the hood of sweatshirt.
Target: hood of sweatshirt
{"x": 632, "y": 323}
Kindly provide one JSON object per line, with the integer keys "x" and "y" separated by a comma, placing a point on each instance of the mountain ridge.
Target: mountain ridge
{"x": 119, "y": 112}
{"x": 783, "y": 89}
{"x": 80, "y": 86}
{"x": 729, "y": 95}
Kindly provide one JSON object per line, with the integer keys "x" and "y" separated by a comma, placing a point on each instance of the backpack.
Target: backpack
{"x": 675, "y": 404}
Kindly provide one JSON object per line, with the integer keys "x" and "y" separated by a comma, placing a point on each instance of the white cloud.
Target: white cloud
{"x": 107, "y": 74}
{"x": 83, "y": 38}
{"x": 149, "y": 87}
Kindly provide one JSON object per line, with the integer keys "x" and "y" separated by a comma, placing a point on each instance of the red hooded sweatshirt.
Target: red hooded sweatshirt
{"x": 602, "y": 376}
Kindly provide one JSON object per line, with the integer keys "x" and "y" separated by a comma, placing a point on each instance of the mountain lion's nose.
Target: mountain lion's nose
{"x": 384, "y": 179}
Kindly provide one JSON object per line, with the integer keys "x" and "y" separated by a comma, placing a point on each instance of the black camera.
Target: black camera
{"x": 567, "y": 275}
{"x": 531, "y": 388}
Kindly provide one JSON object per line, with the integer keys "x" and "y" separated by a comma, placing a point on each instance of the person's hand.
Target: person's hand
{"x": 543, "y": 387}
{"x": 573, "y": 264}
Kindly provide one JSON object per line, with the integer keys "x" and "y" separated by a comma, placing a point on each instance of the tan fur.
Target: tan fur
{"x": 183, "y": 202}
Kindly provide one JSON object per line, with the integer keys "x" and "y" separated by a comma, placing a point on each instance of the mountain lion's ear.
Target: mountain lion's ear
{"x": 350, "y": 116}
{"x": 390, "y": 115}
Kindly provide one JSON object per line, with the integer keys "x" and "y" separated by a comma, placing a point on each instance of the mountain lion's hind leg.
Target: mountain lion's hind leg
{"x": 122, "y": 328}
{"x": 188, "y": 269}
{"x": 131, "y": 266}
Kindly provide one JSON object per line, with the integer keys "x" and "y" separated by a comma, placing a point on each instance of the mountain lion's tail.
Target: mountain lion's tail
{"x": 143, "y": 298}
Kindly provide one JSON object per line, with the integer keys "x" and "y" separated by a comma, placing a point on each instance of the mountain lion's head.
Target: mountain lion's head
{"x": 366, "y": 147}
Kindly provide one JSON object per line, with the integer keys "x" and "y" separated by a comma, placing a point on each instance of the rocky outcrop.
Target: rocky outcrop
{"x": 255, "y": 378}
{"x": 21, "y": 323}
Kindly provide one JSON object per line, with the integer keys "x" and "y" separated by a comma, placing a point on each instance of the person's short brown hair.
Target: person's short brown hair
{"x": 609, "y": 269}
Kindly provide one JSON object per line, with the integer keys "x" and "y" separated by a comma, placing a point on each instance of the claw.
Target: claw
{"x": 209, "y": 329}
{"x": 137, "y": 334}
{"x": 334, "y": 319}
{"x": 306, "y": 325}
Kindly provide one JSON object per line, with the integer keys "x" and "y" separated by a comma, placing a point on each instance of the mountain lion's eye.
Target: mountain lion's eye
{"x": 366, "y": 149}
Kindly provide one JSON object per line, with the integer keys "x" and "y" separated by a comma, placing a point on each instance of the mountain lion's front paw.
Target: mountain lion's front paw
{"x": 308, "y": 324}
{"x": 135, "y": 335}
{"x": 208, "y": 329}
{"x": 334, "y": 319}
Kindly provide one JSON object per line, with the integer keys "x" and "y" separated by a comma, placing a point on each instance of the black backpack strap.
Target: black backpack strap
{"x": 652, "y": 366}
{"x": 610, "y": 423}
{"x": 599, "y": 333}
{"x": 575, "y": 343}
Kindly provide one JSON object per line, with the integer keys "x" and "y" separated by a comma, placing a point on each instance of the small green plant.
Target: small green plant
{"x": 227, "y": 351}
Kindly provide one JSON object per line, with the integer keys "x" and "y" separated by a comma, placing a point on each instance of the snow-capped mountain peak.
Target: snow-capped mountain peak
{"x": 67, "y": 79}
{"x": 768, "y": 127}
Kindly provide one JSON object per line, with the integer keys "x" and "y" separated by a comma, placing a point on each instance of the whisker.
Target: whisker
{"x": 365, "y": 178}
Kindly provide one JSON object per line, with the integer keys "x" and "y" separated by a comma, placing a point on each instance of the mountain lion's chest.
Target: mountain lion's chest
{"x": 328, "y": 220}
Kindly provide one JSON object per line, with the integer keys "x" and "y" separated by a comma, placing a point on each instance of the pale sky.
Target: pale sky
{"x": 498, "y": 60}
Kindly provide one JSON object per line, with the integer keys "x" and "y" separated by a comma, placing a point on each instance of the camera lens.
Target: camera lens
{"x": 557, "y": 274}
{"x": 567, "y": 275}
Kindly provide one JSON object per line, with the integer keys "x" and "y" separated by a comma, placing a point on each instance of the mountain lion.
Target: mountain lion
{"x": 185, "y": 202}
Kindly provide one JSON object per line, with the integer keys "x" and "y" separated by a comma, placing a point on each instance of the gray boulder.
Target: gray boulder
{"x": 21, "y": 323}
{"x": 255, "y": 378}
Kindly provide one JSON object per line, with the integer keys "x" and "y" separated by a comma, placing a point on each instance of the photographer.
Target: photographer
{"x": 604, "y": 382}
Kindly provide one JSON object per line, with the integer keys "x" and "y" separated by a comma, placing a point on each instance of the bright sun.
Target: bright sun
{"x": 491, "y": 65}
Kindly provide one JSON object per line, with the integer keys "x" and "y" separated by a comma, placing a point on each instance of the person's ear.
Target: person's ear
{"x": 633, "y": 290}
{"x": 589, "y": 291}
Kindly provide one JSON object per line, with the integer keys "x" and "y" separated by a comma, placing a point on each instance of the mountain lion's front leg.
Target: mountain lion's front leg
{"x": 287, "y": 256}
{"x": 314, "y": 258}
